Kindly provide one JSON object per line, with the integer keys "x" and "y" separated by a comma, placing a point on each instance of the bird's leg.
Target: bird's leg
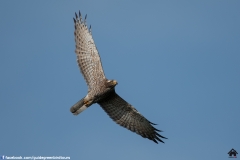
{"x": 88, "y": 102}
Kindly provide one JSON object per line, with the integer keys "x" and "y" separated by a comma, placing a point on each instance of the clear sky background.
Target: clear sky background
{"x": 177, "y": 62}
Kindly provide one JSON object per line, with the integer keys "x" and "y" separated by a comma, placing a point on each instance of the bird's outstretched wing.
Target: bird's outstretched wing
{"x": 87, "y": 55}
{"x": 127, "y": 116}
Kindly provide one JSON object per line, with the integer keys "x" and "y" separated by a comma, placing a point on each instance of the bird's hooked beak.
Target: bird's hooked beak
{"x": 115, "y": 82}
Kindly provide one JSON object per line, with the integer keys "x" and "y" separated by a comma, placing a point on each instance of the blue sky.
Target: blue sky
{"x": 177, "y": 62}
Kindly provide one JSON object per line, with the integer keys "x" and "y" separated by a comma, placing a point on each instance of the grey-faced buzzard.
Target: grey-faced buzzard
{"x": 101, "y": 90}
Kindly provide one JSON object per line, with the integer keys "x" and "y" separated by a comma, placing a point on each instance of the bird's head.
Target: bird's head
{"x": 111, "y": 83}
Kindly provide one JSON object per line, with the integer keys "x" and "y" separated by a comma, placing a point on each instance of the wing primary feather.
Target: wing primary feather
{"x": 160, "y": 136}
{"x": 154, "y": 140}
{"x": 151, "y": 123}
{"x": 79, "y": 13}
{"x": 156, "y": 129}
{"x": 74, "y": 20}
{"x": 80, "y": 16}
{"x": 159, "y": 139}
{"x": 76, "y": 15}
{"x": 85, "y": 19}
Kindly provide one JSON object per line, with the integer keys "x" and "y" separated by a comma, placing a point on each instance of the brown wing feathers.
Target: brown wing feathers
{"x": 88, "y": 58}
{"x": 127, "y": 116}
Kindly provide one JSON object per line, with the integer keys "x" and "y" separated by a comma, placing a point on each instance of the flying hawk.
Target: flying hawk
{"x": 101, "y": 90}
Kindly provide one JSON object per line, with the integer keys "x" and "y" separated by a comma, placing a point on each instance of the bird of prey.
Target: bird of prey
{"x": 101, "y": 90}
